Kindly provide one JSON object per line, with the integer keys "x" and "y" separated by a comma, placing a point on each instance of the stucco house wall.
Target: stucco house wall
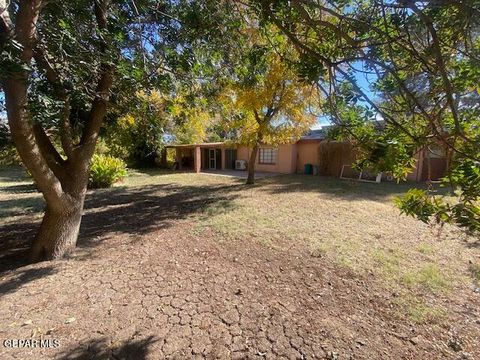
{"x": 307, "y": 153}
{"x": 243, "y": 153}
{"x": 285, "y": 158}
{"x": 313, "y": 149}
{"x": 415, "y": 175}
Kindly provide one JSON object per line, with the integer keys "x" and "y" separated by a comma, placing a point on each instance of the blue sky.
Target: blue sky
{"x": 3, "y": 114}
{"x": 362, "y": 79}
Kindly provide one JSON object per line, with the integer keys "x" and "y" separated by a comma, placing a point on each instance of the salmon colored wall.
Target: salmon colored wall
{"x": 242, "y": 153}
{"x": 286, "y": 159}
{"x": 294, "y": 158}
{"x": 415, "y": 174}
{"x": 307, "y": 153}
{"x": 328, "y": 155}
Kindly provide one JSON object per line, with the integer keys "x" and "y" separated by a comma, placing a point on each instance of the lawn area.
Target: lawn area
{"x": 184, "y": 265}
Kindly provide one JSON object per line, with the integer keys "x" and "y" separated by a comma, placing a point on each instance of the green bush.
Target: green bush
{"x": 105, "y": 171}
{"x": 464, "y": 211}
{"x": 8, "y": 153}
{"x": 9, "y": 156}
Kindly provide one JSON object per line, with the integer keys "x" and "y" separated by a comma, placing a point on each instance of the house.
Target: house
{"x": 312, "y": 148}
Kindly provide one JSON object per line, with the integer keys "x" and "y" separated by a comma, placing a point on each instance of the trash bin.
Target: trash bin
{"x": 315, "y": 170}
{"x": 307, "y": 170}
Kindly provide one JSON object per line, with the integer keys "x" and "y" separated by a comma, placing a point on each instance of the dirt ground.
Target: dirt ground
{"x": 147, "y": 283}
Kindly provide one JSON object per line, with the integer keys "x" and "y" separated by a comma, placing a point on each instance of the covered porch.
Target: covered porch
{"x": 241, "y": 174}
{"x": 204, "y": 157}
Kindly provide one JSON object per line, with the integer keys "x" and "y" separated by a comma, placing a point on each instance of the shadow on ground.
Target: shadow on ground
{"x": 332, "y": 187}
{"x": 19, "y": 206}
{"x": 100, "y": 349}
{"x": 139, "y": 210}
{"x": 131, "y": 210}
{"x": 24, "y": 276}
{"x": 19, "y": 189}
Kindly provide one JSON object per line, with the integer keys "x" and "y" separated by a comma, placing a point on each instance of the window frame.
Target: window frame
{"x": 272, "y": 156}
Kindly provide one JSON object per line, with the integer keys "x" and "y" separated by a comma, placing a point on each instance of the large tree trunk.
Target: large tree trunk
{"x": 62, "y": 181}
{"x": 251, "y": 166}
{"x": 60, "y": 226}
{"x": 58, "y": 232}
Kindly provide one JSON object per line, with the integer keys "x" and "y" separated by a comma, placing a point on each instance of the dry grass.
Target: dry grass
{"x": 355, "y": 225}
{"x": 18, "y": 196}
{"x": 352, "y": 224}
{"x": 475, "y": 271}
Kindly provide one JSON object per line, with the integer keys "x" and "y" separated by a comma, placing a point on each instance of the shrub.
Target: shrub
{"x": 105, "y": 171}
{"x": 9, "y": 156}
{"x": 8, "y": 153}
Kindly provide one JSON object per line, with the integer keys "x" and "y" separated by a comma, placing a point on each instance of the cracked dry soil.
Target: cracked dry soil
{"x": 166, "y": 295}
{"x": 143, "y": 285}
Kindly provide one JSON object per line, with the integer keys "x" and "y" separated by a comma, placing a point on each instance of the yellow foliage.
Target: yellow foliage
{"x": 154, "y": 98}
{"x": 126, "y": 122}
{"x": 192, "y": 121}
{"x": 153, "y": 105}
{"x": 277, "y": 109}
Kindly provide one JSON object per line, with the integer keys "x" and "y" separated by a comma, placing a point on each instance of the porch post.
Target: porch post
{"x": 223, "y": 158}
{"x": 197, "y": 159}
{"x": 163, "y": 161}
{"x": 420, "y": 163}
{"x": 178, "y": 157}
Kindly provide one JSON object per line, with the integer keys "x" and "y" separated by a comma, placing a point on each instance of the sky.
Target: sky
{"x": 362, "y": 79}
{"x": 3, "y": 114}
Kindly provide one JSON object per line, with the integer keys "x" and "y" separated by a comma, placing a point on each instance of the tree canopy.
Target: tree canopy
{"x": 265, "y": 101}
{"x": 419, "y": 61}
{"x": 64, "y": 63}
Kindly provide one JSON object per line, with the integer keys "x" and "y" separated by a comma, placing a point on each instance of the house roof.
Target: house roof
{"x": 311, "y": 135}
{"x": 317, "y": 134}
{"x": 194, "y": 145}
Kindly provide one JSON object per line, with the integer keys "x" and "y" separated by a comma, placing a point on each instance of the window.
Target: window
{"x": 267, "y": 156}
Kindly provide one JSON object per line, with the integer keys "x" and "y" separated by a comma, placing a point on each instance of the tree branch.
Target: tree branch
{"x": 6, "y": 26}
{"x": 99, "y": 105}
{"x": 440, "y": 63}
{"x": 313, "y": 24}
{"x": 15, "y": 88}
{"x": 54, "y": 79}
{"x": 49, "y": 152}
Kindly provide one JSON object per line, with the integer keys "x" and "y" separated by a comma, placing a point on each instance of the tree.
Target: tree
{"x": 156, "y": 118}
{"x": 273, "y": 106}
{"x": 63, "y": 62}
{"x": 191, "y": 116}
{"x": 62, "y": 182}
{"x": 139, "y": 135}
{"x": 421, "y": 62}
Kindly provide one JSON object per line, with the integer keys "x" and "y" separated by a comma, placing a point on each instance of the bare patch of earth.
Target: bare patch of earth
{"x": 164, "y": 295}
